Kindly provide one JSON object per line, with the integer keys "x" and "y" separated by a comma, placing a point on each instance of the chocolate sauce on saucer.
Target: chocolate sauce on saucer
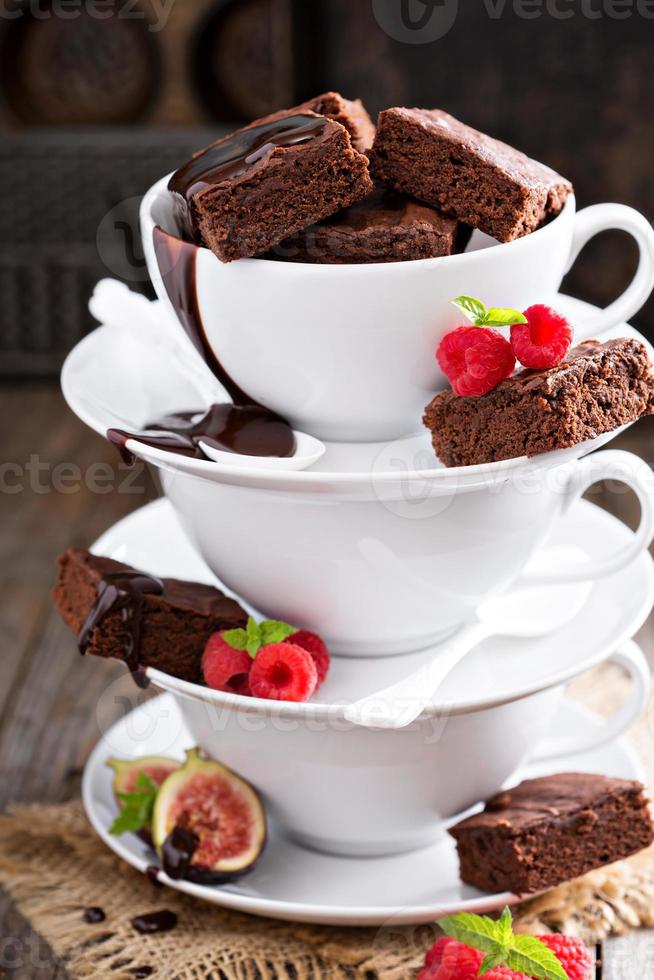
{"x": 94, "y": 914}
{"x": 248, "y": 429}
{"x": 149, "y": 922}
{"x": 242, "y": 426}
{"x": 152, "y": 874}
{"x": 123, "y": 590}
{"x": 177, "y": 853}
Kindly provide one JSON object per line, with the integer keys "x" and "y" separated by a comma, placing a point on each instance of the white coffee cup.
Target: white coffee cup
{"x": 349, "y": 790}
{"x": 390, "y": 566}
{"x": 346, "y": 352}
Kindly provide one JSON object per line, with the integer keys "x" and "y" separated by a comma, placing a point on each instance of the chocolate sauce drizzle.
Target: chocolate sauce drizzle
{"x": 152, "y": 874}
{"x": 242, "y": 426}
{"x": 233, "y": 156}
{"x": 149, "y": 922}
{"x": 177, "y": 852}
{"x": 247, "y": 429}
{"x": 123, "y": 590}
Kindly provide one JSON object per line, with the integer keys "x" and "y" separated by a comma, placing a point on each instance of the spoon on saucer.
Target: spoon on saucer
{"x": 528, "y": 611}
{"x": 308, "y": 450}
{"x": 235, "y": 434}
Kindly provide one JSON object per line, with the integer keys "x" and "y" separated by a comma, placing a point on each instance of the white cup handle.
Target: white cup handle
{"x": 605, "y": 217}
{"x": 610, "y": 464}
{"x": 632, "y": 659}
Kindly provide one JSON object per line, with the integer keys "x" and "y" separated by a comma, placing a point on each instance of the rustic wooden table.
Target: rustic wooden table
{"x": 61, "y": 485}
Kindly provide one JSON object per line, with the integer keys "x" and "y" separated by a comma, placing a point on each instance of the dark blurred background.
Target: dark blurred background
{"x": 100, "y": 98}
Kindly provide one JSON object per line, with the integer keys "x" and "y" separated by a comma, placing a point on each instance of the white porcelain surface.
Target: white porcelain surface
{"x": 308, "y": 759}
{"x": 347, "y": 352}
{"x": 499, "y": 670}
{"x": 392, "y": 569}
{"x": 297, "y": 884}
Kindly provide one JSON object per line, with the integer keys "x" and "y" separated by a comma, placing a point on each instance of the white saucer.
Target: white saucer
{"x": 498, "y": 671}
{"x": 128, "y": 370}
{"x": 293, "y": 883}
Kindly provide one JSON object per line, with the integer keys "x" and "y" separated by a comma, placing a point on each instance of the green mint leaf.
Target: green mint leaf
{"x": 529, "y": 955}
{"x": 137, "y": 806}
{"x": 273, "y": 631}
{"x": 505, "y": 927}
{"x": 473, "y": 308}
{"x": 254, "y": 637}
{"x": 492, "y": 960}
{"x": 238, "y": 639}
{"x": 477, "y": 931}
{"x": 504, "y": 317}
{"x": 144, "y": 782}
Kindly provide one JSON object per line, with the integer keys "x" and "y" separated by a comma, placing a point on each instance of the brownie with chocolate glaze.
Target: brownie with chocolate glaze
{"x": 384, "y": 227}
{"x": 350, "y": 113}
{"x": 169, "y": 625}
{"x": 250, "y": 190}
{"x": 597, "y": 388}
{"x": 477, "y": 179}
{"x": 550, "y": 830}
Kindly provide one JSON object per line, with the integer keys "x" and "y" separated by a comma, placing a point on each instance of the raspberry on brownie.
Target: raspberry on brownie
{"x": 248, "y": 191}
{"x": 473, "y": 177}
{"x": 599, "y": 387}
{"x": 550, "y": 830}
{"x": 384, "y": 227}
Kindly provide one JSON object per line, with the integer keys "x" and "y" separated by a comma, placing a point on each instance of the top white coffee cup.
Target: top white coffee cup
{"x": 346, "y": 352}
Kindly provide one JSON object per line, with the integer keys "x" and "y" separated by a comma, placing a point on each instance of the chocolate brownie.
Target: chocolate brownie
{"x": 385, "y": 227}
{"x": 476, "y": 179}
{"x": 351, "y": 114}
{"x": 248, "y": 191}
{"x": 117, "y": 611}
{"x": 550, "y": 830}
{"x": 599, "y": 387}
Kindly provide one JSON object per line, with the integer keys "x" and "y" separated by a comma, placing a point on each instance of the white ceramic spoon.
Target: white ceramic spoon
{"x": 526, "y": 612}
{"x": 114, "y": 303}
{"x": 308, "y": 451}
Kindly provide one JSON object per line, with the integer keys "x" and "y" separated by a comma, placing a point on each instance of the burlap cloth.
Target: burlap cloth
{"x": 54, "y": 867}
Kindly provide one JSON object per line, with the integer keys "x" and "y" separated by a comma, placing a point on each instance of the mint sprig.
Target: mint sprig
{"x": 137, "y": 806}
{"x": 496, "y": 316}
{"x": 257, "y": 635}
{"x": 524, "y": 954}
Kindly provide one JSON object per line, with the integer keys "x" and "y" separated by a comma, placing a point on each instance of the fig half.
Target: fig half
{"x": 126, "y": 773}
{"x": 209, "y": 825}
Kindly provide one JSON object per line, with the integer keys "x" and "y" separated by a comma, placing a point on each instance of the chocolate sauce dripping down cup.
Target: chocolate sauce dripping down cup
{"x": 242, "y": 429}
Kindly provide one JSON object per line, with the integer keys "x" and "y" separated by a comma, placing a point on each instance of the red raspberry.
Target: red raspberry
{"x": 317, "y": 649}
{"x": 544, "y": 341}
{"x": 450, "y": 960}
{"x": 475, "y": 360}
{"x": 283, "y": 672}
{"x": 575, "y": 958}
{"x": 224, "y": 668}
{"x": 503, "y": 973}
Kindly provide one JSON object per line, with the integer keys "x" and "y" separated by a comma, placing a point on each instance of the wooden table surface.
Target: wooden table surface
{"x": 62, "y": 485}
